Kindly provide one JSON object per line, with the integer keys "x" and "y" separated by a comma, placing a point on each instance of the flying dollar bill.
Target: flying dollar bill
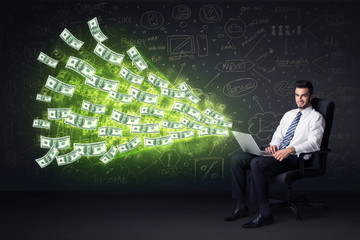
{"x": 91, "y": 149}
{"x": 142, "y": 96}
{"x": 108, "y": 55}
{"x": 152, "y": 111}
{"x": 137, "y": 59}
{"x": 70, "y": 40}
{"x": 191, "y": 124}
{"x": 95, "y": 30}
{"x": 110, "y": 132}
{"x": 48, "y": 157}
{"x": 81, "y": 67}
{"x": 186, "y": 109}
{"x": 68, "y": 158}
{"x": 207, "y": 131}
{"x": 205, "y": 119}
{"x": 102, "y": 84}
{"x": 124, "y": 118}
{"x": 60, "y": 87}
{"x": 92, "y": 107}
{"x": 83, "y": 122}
{"x": 172, "y": 125}
{"x": 120, "y": 97}
{"x": 133, "y": 143}
{"x": 182, "y": 135}
{"x": 47, "y": 60}
{"x": 58, "y": 113}
{"x": 110, "y": 155}
{"x": 158, "y": 142}
{"x": 130, "y": 76}
{"x": 173, "y": 93}
{"x": 60, "y": 143}
{"x": 221, "y": 123}
{"x": 40, "y": 123}
{"x": 157, "y": 82}
{"x": 43, "y": 98}
{"x": 188, "y": 94}
{"x": 145, "y": 128}
{"x": 211, "y": 113}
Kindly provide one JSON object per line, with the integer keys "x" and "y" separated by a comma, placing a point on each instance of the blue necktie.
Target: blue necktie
{"x": 290, "y": 132}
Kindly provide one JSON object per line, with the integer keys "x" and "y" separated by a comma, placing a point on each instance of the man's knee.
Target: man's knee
{"x": 257, "y": 163}
{"x": 239, "y": 160}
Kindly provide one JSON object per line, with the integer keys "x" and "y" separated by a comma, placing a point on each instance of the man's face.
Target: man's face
{"x": 302, "y": 97}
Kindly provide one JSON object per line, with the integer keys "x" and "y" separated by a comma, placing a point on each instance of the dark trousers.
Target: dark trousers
{"x": 261, "y": 168}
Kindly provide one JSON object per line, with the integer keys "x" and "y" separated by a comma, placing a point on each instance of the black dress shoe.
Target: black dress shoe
{"x": 259, "y": 221}
{"x": 238, "y": 213}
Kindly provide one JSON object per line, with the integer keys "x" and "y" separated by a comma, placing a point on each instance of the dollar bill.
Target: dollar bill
{"x": 58, "y": 113}
{"x": 133, "y": 143}
{"x": 60, "y": 143}
{"x": 152, "y": 111}
{"x": 110, "y": 155}
{"x": 47, "y": 60}
{"x": 182, "y": 135}
{"x": 145, "y": 128}
{"x": 158, "y": 142}
{"x": 130, "y": 76}
{"x": 186, "y": 109}
{"x": 81, "y": 67}
{"x": 110, "y": 132}
{"x": 68, "y": 158}
{"x": 43, "y": 98}
{"x": 169, "y": 92}
{"x": 207, "y": 131}
{"x": 189, "y": 94}
{"x": 92, "y": 107}
{"x": 172, "y": 125}
{"x": 95, "y": 30}
{"x": 157, "y": 82}
{"x": 124, "y": 118}
{"x": 205, "y": 119}
{"x": 211, "y": 113}
{"x": 45, "y": 160}
{"x": 83, "y": 122}
{"x": 91, "y": 149}
{"x": 60, "y": 87}
{"x": 191, "y": 124}
{"x": 222, "y": 123}
{"x": 120, "y": 97}
{"x": 70, "y": 40}
{"x": 102, "y": 84}
{"x": 137, "y": 59}
{"x": 40, "y": 123}
{"x": 108, "y": 55}
{"x": 143, "y": 96}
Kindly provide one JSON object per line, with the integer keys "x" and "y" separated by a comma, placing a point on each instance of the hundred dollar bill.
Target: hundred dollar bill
{"x": 95, "y": 30}
{"x": 211, "y": 113}
{"x": 169, "y": 92}
{"x": 70, "y": 39}
{"x": 60, "y": 143}
{"x": 158, "y": 142}
{"x": 48, "y": 157}
{"x": 39, "y": 123}
{"x": 92, "y": 107}
{"x": 221, "y": 123}
{"x": 120, "y": 97}
{"x": 145, "y": 128}
{"x": 83, "y": 122}
{"x": 206, "y": 120}
{"x": 47, "y": 60}
{"x": 43, "y": 98}
{"x": 124, "y": 118}
{"x": 137, "y": 59}
{"x": 91, "y": 149}
{"x": 182, "y": 135}
{"x": 60, "y": 87}
{"x": 133, "y": 143}
{"x": 109, "y": 155}
{"x": 110, "y": 132}
{"x": 81, "y": 67}
{"x": 172, "y": 125}
{"x": 142, "y": 96}
{"x": 191, "y": 124}
{"x": 102, "y": 84}
{"x": 152, "y": 111}
{"x": 188, "y": 94}
{"x": 186, "y": 109}
{"x": 58, "y": 113}
{"x": 130, "y": 76}
{"x": 157, "y": 82}
{"x": 207, "y": 131}
{"x": 68, "y": 158}
{"x": 108, "y": 55}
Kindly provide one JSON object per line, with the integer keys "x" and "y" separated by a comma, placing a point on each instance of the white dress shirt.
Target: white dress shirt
{"x": 308, "y": 133}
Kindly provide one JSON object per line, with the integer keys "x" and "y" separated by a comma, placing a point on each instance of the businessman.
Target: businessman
{"x": 300, "y": 131}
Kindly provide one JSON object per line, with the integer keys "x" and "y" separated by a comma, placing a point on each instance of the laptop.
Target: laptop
{"x": 248, "y": 144}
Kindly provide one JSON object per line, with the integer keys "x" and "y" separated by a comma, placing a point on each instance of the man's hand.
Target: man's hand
{"x": 272, "y": 149}
{"x": 282, "y": 154}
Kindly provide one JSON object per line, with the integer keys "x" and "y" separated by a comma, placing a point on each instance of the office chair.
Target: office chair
{"x": 314, "y": 167}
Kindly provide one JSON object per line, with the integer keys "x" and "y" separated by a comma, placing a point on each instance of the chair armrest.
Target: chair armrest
{"x": 302, "y": 155}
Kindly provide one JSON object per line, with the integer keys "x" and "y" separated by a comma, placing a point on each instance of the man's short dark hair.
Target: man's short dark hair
{"x": 305, "y": 84}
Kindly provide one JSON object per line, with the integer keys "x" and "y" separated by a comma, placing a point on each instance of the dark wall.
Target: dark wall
{"x": 240, "y": 58}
